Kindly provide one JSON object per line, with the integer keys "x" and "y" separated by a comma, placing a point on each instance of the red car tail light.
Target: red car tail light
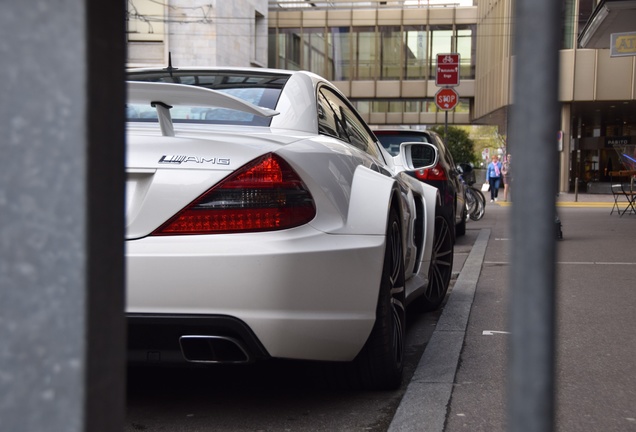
{"x": 264, "y": 195}
{"x": 435, "y": 173}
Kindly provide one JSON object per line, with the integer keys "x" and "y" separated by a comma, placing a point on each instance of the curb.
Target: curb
{"x": 425, "y": 402}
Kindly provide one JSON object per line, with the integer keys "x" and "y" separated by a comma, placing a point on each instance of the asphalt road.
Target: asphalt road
{"x": 272, "y": 396}
{"x": 456, "y": 364}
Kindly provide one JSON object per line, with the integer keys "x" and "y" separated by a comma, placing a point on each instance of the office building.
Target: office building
{"x": 383, "y": 56}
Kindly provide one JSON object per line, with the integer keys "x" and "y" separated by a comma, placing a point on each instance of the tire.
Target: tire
{"x": 480, "y": 207}
{"x": 460, "y": 228}
{"x": 380, "y": 363}
{"x": 480, "y": 195}
{"x": 471, "y": 201}
{"x": 441, "y": 268}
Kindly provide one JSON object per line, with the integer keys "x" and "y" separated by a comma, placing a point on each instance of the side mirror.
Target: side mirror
{"x": 418, "y": 155}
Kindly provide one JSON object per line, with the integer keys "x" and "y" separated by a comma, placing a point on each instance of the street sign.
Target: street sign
{"x": 447, "y": 70}
{"x": 446, "y": 99}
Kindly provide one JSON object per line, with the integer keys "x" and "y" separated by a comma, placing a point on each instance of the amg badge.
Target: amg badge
{"x": 180, "y": 159}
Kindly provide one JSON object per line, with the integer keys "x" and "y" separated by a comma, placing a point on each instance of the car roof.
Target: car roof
{"x": 296, "y": 102}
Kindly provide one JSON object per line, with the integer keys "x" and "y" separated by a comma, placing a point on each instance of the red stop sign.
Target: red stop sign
{"x": 446, "y": 99}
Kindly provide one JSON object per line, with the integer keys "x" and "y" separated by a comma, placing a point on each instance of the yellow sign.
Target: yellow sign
{"x": 623, "y": 44}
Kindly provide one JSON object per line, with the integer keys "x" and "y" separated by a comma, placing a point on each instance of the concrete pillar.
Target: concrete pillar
{"x": 62, "y": 328}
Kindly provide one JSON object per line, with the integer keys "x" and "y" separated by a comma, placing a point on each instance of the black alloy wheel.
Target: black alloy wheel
{"x": 380, "y": 364}
{"x": 460, "y": 228}
{"x": 441, "y": 268}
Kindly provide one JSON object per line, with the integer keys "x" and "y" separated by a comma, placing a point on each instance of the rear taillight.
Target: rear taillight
{"x": 435, "y": 173}
{"x": 264, "y": 195}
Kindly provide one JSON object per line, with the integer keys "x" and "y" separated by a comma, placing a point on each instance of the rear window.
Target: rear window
{"x": 391, "y": 140}
{"x": 262, "y": 89}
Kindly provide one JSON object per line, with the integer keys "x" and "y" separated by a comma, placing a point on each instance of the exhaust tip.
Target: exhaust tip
{"x": 213, "y": 349}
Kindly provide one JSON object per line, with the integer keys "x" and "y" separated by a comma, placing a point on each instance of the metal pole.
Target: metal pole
{"x": 533, "y": 141}
{"x": 576, "y": 189}
{"x": 445, "y": 127}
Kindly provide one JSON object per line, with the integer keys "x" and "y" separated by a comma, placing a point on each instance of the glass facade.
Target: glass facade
{"x": 384, "y": 62}
{"x": 372, "y": 52}
{"x": 426, "y": 105}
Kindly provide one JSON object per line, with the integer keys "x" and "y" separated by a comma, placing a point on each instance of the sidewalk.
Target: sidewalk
{"x": 460, "y": 383}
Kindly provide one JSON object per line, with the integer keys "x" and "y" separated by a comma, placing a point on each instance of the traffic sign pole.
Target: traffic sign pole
{"x": 445, "y": 127}
{"x": 447, "y": 76}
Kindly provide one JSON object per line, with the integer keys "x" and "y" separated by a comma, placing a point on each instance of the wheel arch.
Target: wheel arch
{"x": 372, "y": 196}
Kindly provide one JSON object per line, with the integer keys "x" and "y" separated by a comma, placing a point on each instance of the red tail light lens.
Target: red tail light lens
{"x": 435, "y": 173}
{"x": 264, "y": 195}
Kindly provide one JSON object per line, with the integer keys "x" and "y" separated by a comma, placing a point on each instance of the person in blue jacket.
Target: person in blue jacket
{"x": 493, "y": 177}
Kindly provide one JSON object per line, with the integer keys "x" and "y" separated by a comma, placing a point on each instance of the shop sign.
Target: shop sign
{"x": 623, "y": 44}
{"x": 618, "y": 141}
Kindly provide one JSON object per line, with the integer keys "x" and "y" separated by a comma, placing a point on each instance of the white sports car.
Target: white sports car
{"x": 264, "y": 220}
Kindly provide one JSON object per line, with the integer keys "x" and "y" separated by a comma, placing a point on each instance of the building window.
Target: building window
{"x": 391, "y": 53}
{"x": 365, "y": 51}
{"x": 426, "y": 105}
{"x": 314, "y": 51}
{"x": 415, "y": 52}
{"x": 339, "y": 60}
{"x": 289, "y": 49}
{"x": 145, "y": 21}
{"x": 441, "y": 42}
{"x": 569, "y": 23}
{"x": 258, "y": 48}
{"x": 412, "y": 106}
{"x": 272, "y": 46}
{"x": 465, "y": 46}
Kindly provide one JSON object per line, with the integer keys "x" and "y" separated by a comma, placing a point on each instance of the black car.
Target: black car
{"x": 444, "y": 176}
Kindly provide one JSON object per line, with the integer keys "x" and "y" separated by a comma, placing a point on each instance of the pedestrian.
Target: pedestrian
{"x": 505, "y": 172}
{"x": 493, "y": 177}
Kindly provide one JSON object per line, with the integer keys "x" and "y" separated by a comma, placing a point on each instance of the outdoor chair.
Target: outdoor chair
{"x": 624, "y": 199}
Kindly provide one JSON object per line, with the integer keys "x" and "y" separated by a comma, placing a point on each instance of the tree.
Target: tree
{"x": 459, "y": 143}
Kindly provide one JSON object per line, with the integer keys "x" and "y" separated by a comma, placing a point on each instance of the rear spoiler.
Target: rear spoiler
{"x": 164, "y": 96}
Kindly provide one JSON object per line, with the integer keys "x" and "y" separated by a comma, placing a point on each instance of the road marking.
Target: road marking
{"x": 572, "y": 204}
{"x": 585, "y": 204}
{"x": 493, "y": 332}
{"x": 595, "y": 263}
{"x": 570, "y": 263}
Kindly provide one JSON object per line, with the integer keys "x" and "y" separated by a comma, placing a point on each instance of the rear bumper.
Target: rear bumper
{"x": 171, "y": 339}
{"x": 302, "y": 294}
